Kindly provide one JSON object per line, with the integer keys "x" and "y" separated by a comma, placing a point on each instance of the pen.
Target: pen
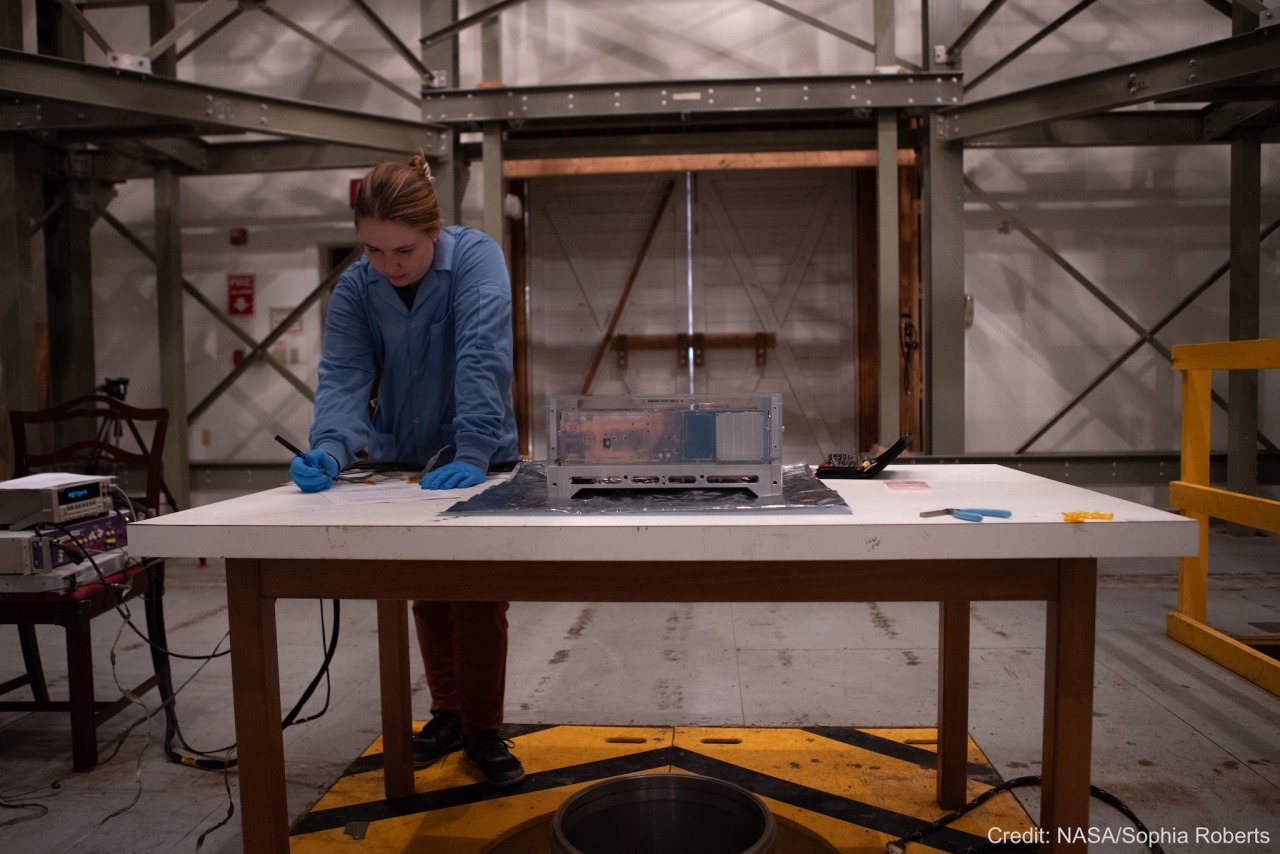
{"x": 283, "y": 441}
{"x": 297, "y": 452}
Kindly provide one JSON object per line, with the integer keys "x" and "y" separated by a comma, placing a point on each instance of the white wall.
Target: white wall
{"x": 1144, "y": 225}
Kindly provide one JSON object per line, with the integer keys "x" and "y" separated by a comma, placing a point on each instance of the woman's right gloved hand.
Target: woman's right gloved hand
{"x": 314, "y": 472}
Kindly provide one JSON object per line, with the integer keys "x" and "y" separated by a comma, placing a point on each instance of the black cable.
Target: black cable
{"x": 323, "y": 673}
{"x": 124, "y": 614}
{"x": 899, "y": 845}
{"x": 172, "y": 729}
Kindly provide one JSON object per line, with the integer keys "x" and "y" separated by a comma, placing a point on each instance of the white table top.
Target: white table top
{"x": 883, "y": 523}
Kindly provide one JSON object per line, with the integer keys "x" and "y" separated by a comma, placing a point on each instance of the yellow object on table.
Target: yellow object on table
{"x": 1083, "y": 515}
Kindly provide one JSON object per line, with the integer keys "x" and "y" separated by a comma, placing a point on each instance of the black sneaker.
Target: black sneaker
{"x": 440, "y": 735}
{"x": 491, "y": 754}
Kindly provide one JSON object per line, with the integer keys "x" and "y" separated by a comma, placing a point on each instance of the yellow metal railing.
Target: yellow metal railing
{"x": 1197, "y": 499}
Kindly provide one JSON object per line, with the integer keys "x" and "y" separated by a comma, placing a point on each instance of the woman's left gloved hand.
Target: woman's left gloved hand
{"x": 454, "y": 475}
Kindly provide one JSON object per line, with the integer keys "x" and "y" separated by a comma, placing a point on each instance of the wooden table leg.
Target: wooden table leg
{"x": 953, "y": 703}
{"x": 1068, "y": 706}
{"x": 84, "y": 724}
{"x": 397, "y": 712}
{"x": 255, "y": 681}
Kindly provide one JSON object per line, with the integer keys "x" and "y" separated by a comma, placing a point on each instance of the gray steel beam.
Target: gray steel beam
{"x": 1221, "y": 120}
{"x": 11, "y": 29}
{"x": 1018, "y": 51}
{"x": 48, "y": 118}
{"x": 341, "y": 56}
{"x": 18, "y": 293}
{"x": 1149, "y": 127}
{"x": 888, "y": 265}
{"x": 172, "y": 334}
{"x": 212, "y": 31}
{"x": 942, "y": 259}
{"x": 494, "y": 221}
{"x": 124, "y": 163}
{"x": 448, "y": 32}
{"x": 239, "y": 158}
{"x": 1185, "y": 74}
{"x": 946, "y": 54}
{"x": 441, "y": 55}
{"x": 692, "y": 141}
{"x": 187, "y": 152}
{"x": 821, "y": 25}
{"x": 82, "y": 23}
{"x": 69, "y": 283}
{"x": 689, "y": 99}
{"x": 224, "y": 110}
{"x": 389, "y": 35}
{"x": 205, "y": 17}
{"x": 1244, "y": 304}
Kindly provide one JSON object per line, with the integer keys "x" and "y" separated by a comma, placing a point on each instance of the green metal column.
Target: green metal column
{"x": 887, "y": 270}
{"x": 17, "y": 291}
{"x": 169, "y": 292}
{"x": 68, "y": 251}
{"x": 442, "y": 58}
{"x": 1245, "y": 290}
{"x": 172, "y": 334}
{"x": 1245, "y": 304}
{"x": 11, "y": 26}
{"x": 494, "y": 185}
{"x": 942, "y": 247}
{"x": 18, "y": 296}
{"x": 69, "y": 282}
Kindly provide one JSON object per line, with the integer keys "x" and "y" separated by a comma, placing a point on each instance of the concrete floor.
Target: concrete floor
{"x": 1183, "y": 742}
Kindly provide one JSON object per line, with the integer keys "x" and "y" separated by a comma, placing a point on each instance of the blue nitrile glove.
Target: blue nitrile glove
{"x": 314, "y": 472}
{"x": 454, "y": 475}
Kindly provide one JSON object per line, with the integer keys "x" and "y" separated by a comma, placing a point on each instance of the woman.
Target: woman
{"x": 423, "y": 320}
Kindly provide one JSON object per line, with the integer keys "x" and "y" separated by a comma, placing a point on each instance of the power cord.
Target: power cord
{"x": 200, "y": 759}
{"x": 899, "y": 846}
{"x": 172, "y": 729}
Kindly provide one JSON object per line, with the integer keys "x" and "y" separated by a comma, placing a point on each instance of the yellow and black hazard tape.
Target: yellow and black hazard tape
{"x": 851, "y": 787}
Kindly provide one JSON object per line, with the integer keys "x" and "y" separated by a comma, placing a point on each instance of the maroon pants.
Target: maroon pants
{"x": 464, "y": 648}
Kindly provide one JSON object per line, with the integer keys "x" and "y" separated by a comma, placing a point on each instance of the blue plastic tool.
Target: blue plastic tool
{"x": 968, "y": 514}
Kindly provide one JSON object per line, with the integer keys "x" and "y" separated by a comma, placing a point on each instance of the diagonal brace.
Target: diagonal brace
{"x": 261, "y": 349}
{"x": 1145, "y": 336}
{"x": 208, "y": 305}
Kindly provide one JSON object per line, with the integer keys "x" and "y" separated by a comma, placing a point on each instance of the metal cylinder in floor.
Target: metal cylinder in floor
{"x": 663, "y": 814}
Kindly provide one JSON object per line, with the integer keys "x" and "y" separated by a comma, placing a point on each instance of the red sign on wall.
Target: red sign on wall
{"x": 239, "y": 293}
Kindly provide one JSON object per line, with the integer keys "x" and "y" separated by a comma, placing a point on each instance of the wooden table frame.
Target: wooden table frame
{"x": 280, "y": 544}
{"x": 1068, "y": 586}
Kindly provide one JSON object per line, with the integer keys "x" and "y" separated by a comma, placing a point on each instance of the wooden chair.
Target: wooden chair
{"x": 114, "y": 428}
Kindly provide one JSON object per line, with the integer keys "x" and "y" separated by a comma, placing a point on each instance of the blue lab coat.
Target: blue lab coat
{"x": 446, "y": 363}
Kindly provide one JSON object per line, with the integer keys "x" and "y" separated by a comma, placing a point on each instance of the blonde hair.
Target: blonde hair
{"x": 401, "y": 192}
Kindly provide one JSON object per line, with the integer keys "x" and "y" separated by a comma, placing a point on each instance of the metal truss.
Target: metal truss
{"x": 1243, "y": 68}
{"x": 143, "y": 124}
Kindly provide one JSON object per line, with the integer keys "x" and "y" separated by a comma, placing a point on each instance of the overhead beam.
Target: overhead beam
{"x": 552, "y": 166}
{"x": 226, "y": 110}
{"x": 1222, "y": 120}
{"x": 1149, "y": 127}
{"x": 1183, "y": 74}
{"x": 706, "y": 140}
{"x": 687, "y": 98}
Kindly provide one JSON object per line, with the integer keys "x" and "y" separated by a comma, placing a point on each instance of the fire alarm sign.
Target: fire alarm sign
{"x": 240, "y": 293}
